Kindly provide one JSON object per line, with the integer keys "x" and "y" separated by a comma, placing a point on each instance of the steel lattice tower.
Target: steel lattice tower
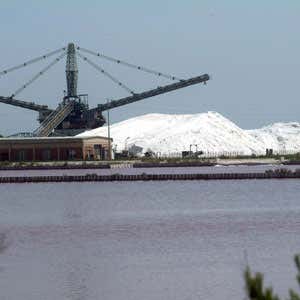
{"x": 71, "y": 72}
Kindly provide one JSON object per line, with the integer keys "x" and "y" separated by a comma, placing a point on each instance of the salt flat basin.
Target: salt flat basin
{"x": 156, "y": 240}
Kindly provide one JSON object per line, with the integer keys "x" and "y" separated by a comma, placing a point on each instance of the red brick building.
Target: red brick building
{"x": 54, "y": 148}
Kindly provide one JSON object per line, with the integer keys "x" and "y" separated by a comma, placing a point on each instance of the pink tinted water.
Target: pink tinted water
{"x": 153, "y": 240}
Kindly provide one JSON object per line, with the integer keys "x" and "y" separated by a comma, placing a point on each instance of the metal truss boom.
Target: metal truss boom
{"x": 73, "y": 114}
{"x": 152, "y": 93}
{"x": 25, "y": 104}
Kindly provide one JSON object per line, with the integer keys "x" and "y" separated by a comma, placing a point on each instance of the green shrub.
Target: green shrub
{"x": 255, "y": 285}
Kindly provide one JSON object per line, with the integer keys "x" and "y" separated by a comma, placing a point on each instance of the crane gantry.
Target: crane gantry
{"x": 73, "y": 114}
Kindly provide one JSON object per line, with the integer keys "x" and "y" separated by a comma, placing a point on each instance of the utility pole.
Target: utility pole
{"x": 125, "y": 144}
{"x": 108, "y": 133}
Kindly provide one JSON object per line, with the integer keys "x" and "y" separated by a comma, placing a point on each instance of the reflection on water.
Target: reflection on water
{"x": 76, "y": 264}
{"x": 153, "y": 240}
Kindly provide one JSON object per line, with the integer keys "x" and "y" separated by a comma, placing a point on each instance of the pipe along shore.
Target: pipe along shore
{"x": 277, "y": 174}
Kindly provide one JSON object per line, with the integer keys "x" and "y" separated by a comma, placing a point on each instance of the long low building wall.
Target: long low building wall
{"x": 54, "y": 148}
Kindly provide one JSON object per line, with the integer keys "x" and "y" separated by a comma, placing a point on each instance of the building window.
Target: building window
{"x": 71, "y": 154}
{"x": 46, "y": 154}
{"x": 21, "y": 155}
{"x": 4, "y": 156}
{"x": 89, "y": 155}
{"x": 98, "y": 151}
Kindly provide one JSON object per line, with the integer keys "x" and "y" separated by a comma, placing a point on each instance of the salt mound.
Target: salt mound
{"x": 279, "y": 136}
{"x": 211, "y": 131}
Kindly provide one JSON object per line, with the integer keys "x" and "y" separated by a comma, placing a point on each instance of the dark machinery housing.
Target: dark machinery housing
{"x": 73, "y": 114}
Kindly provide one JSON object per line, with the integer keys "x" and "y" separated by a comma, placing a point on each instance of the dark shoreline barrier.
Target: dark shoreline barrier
{"x": 51, "y": 167}
{"x": 105, "y": 166}
{"x": 294, "y": 162}
{"x": 151, "y": 177}
{"x": 172, "y": 165}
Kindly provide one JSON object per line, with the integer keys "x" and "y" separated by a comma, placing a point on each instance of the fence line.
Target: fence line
{"x": 218, "y": 154}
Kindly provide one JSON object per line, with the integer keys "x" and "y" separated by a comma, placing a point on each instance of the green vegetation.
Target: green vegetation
{"x": 293, "y": 157}
{"x": 2, "y": 242}
{"x": 255, "y": 285}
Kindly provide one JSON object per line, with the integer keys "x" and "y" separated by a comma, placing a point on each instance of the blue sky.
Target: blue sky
{"x": 250, "y": 48}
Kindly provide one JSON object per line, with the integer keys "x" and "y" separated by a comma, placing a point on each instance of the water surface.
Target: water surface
{"x": 146, "y": 240}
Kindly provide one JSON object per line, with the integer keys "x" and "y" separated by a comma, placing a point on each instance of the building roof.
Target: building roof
{"x": 51, "y": 139}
